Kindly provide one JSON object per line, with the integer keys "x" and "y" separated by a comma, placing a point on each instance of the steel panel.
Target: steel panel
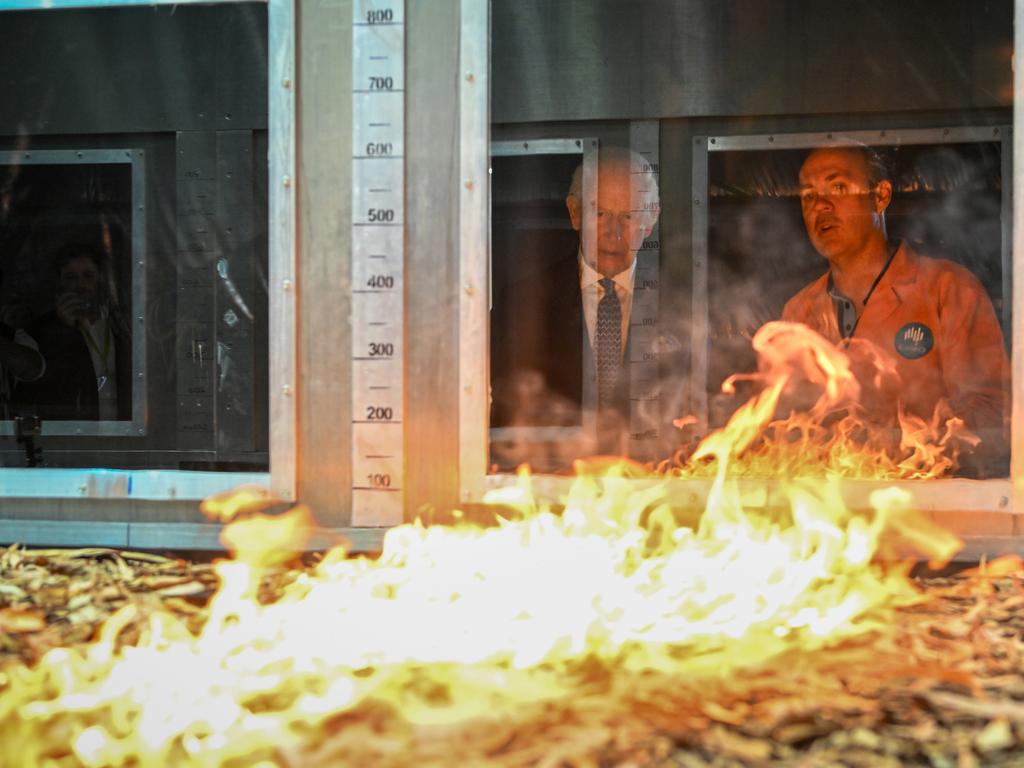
{"x": 319, "y": 420}
{"x": 63, "y": 533}
{"x": 46, "y": 482}
{"x": 619, "y": 59}
{"x": 282, "y": 248}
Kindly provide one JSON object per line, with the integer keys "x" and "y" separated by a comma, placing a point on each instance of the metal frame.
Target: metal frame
{"x": 1017, "y": 356}
{"x": 282, "y": 248}
{"x": 50, "y": 5}
{"x": 176, "y": 484}
{"x": 474, "y": 243}
{"x": 188, "y": 536}
{"x": 136, "y": 159}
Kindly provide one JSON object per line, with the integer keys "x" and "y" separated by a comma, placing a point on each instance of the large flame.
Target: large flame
{"x": 840, "y": 416}
{"x": 457, "y": 623}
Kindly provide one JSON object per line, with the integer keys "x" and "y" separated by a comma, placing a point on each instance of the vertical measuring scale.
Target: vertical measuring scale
{"x": 378, "y": 214}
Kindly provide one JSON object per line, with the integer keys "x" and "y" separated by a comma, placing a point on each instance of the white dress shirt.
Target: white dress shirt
{"x": 593, "y": 292}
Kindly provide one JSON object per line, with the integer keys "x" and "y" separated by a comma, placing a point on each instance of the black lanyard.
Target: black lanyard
{"x": 837, "y": 298}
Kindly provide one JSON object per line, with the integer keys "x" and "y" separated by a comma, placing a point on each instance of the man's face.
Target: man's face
{"x": 841, "y": 211}
{"x": 81, "y": 276}
{"x": 624, "y": 217}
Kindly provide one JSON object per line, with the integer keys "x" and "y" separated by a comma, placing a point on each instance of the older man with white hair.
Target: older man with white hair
{"x": 573, "y": 325}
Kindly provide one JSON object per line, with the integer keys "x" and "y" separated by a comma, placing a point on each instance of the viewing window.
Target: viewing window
{"x": 133, "y": 236}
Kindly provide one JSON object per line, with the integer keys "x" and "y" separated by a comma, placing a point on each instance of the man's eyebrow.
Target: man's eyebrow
{"x": 830, "y": 177}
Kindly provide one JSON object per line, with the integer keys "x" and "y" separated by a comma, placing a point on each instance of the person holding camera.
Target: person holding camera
{"x": 85, "y": 344}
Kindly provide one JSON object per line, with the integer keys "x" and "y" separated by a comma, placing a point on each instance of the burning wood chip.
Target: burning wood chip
{"x": 942, "y": 687}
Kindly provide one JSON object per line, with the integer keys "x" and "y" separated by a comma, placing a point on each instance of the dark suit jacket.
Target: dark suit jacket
{"x": 537, "y": 325}
{"x": 67, "y": 388}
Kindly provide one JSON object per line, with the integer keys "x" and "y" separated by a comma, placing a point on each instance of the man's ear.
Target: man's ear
{"x": 575, "y": 211}
{"x": 883, "y": 195}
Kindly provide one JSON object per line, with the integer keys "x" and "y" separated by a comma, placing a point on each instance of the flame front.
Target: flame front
{"x": 458, "y": 623}
{"x": 842, "y": 417}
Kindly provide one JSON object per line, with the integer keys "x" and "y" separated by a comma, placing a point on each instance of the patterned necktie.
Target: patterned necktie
{"x": 609, "y": 344}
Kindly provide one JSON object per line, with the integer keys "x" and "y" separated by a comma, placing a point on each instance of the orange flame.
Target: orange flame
{"x": 842, "y": 417}
{"x": 452, "y": 622}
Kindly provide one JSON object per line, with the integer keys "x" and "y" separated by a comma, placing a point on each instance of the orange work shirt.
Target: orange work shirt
{"x": 936, "y": 321}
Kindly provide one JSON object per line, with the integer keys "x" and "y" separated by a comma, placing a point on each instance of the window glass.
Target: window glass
{"x": 692, "y": 203}
{"x": 133, "y": 237}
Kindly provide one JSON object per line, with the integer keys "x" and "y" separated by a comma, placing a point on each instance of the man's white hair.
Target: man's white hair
{"x": 628, "y": 161}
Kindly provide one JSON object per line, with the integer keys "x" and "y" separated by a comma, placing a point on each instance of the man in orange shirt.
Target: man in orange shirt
{"x": 931, "y": 317}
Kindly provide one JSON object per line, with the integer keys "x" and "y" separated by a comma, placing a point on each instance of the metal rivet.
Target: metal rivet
{"x": 469, "y": 77}
{"x": 468, "y": 289}
{"x": 468, "y": 389}
{"x": 287, "y": 83}
{"x": 468, "y": 183}
{"x": 287, "y": 181}
{"x": 286, "y": 285}
{"x": 1004, "y": 501}
{"x": 286, "y": 390}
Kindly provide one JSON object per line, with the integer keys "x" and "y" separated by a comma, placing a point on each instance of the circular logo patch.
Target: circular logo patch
{"x": 914, "y": 340}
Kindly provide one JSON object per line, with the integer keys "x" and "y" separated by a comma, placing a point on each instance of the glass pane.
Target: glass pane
{"x": 133, "y": 223}
{"x": 737, "y": 168}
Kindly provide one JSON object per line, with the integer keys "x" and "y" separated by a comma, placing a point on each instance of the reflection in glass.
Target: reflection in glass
{"x": 66, "y": 245}
{"x": 133, "y": 235}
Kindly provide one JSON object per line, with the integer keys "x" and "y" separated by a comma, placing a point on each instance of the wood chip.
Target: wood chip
{"x": 995, "y": 736}
{"x": 16, "y": 620}
{"x": 942, "y": 686}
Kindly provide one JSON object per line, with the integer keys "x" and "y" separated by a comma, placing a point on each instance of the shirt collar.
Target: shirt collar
{"x": 590, "y": 276}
